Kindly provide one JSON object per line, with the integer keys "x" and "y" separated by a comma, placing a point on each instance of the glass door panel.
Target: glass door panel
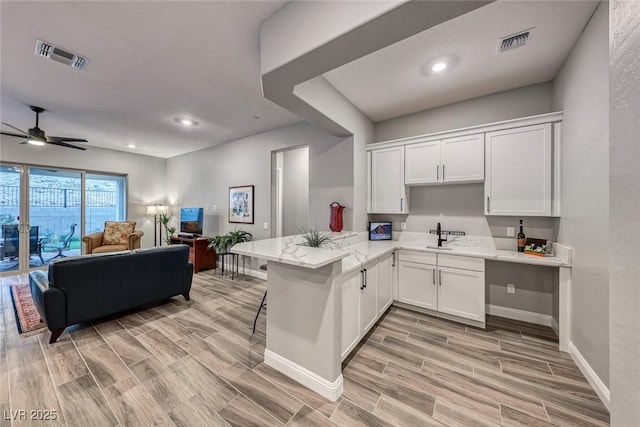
{"x": 106, "y": 200}
{"x": 10, "y": 195}
{"x": 55, "y": 215}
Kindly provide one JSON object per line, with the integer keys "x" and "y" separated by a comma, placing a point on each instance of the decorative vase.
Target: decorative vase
{"x": 335, "y": 222}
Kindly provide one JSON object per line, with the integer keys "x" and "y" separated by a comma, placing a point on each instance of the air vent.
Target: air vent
{"x": 514, "y": 41}
{"x": 62, "y": 56}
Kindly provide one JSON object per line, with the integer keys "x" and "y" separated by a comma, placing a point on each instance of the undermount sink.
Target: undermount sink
{"x": 441, "y": 248}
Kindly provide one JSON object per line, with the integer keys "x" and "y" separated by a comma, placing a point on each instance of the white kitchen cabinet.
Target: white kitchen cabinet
{"x": 462, "y": 159}
{"x": 417, "y": 284}
{"x": 519, "y": 171}
{"x": 386, "y": 188}
{"x": 461, "y": 293}
{"x": 385, "y": 282}
{"x": 369, "y": 297}
{"x": 351, "y": 331}
{"x": 450, "y": 160}
{"x": 422, "y": 163}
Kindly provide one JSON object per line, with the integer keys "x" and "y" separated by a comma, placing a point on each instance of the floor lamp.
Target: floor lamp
{"x": 156, "y": 210}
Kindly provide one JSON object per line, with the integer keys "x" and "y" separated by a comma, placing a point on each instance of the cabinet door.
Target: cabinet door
{"x": 422, "y": 163}
{"x": 385, "y": 282}
{"x": 417, "y": 284}
{"x": 351, "y": 285}
{"x": 463, "y": 159}
{"x": 461, "y": 293}
{"x": 369, "y": 297}
{"x": 387, "y": 181}
{"x": 518, "y": 172}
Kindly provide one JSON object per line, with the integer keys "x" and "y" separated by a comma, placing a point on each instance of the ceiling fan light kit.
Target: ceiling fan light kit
{"x": 36, "y": 136}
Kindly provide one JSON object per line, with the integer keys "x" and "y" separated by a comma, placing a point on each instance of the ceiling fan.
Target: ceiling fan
{"x": 36, "y": 136}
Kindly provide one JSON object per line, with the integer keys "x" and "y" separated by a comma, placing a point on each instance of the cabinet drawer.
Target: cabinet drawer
{"x": 464, "y": 262}
{"x": 420, "y": 257}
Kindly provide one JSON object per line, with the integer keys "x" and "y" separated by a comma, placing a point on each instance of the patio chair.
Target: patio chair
{"x": 61, "y": 246}
{"x": 11, "y": 242}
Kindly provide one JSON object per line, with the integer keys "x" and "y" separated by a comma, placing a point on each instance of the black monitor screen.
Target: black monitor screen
{"x": 379, "y": 231}
{"x": 191, "y": 220}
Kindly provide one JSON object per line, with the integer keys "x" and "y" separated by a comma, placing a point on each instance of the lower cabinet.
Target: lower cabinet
{"x": 351, "y": 287}
{"x": 385, "y": 281}
{"x": 369, "y": 297}
{"x": 448, "y": 284}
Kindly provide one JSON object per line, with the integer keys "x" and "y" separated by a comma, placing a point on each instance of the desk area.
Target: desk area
{"x": 201, "y": 257}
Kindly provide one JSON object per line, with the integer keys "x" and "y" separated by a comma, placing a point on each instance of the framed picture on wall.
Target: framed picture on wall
{"x": 241, "y": 204}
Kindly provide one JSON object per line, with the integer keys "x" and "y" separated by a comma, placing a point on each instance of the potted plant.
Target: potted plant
{"x": 315, "y": 238}
{"x": 222, "y": 243}
{"x": 165, "y": 221}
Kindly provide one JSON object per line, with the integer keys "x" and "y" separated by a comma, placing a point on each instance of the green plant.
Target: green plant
{"x": 315, "y": 238}
{"x": 222, "y": 243}
{"x": 165, "y": 221}
{"x": 7, "y": 218}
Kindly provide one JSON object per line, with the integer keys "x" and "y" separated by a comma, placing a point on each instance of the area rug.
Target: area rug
{"x": 27, "y": 317}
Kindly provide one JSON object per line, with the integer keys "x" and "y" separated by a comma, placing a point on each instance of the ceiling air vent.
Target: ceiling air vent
{"x": 514, "y": 41}
{"x": 62, "y": 56}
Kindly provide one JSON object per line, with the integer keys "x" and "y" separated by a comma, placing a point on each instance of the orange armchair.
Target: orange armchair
{"x": 117, "y": 236}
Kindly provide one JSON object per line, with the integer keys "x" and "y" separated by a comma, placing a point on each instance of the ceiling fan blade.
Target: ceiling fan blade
{"x": 64, "y": 138}
{"x": 14, "y": 134}
{"x": 64, "y": 144}
{"x": 15, "y": 128}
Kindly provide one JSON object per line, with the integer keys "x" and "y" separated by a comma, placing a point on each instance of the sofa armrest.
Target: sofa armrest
{"x": 50, "y": 302}
{"x": 93, "y": 241}
{"x": 187, "y": 278}
{"x": 134, "y": 239}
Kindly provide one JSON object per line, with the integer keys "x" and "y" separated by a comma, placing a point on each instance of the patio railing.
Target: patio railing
{"x": 51, "y": 197}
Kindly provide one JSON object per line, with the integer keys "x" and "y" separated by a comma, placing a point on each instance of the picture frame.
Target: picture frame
{"x": 241, "y": 204}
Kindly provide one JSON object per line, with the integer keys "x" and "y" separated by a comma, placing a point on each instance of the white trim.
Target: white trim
{"x": 601, "y": 390}
{"x": 522, "y": 315}
{"x": 555, "y": 326}
{"x": 325, "y": 388}
{"x": 489, "y": 127}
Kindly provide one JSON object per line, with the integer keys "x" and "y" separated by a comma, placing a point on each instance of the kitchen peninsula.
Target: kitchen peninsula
{"x": 322, "y": 301}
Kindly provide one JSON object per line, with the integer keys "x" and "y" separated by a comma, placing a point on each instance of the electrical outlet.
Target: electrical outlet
{"x": 265, "y": 226}
{"x": 403, "y": 226}
{"x": 215, "y": 207}
{"x": 511, "y": 288}
{"x": 511, "y": 231}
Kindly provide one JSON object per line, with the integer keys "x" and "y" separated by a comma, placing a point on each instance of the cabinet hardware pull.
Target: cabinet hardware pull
{"x": 393, "y": 263}
{"x": 488, "y": 204}
{"x": 440, "y": 277}
{"x": 434, "y": 276}
{"x": 437, "y": 173}
{"x": 401, "y": 204}
{"x": 365, "y": 277}
{"x": 361, "y": 279}
{"x": 442, "y": 173}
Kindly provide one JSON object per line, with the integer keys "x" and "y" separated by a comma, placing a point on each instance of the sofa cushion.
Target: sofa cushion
{"x": 117, "y": 233}
{"x": 109, "y": 248}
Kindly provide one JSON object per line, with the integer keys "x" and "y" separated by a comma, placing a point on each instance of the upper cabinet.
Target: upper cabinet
{"x": 386, "y": 189}
{"x": 445, "y": 161}
{"x": 519, "y": 171}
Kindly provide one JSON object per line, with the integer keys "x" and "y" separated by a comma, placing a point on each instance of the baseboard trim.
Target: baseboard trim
{"x": 555, "y": 326}
{"x": 601, "y": 390}
{"x": 327, "y": 389}
{"x": 522, "y": 315}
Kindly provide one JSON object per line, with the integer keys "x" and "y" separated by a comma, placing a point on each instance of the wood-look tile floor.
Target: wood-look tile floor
{"x": 196, "y": 363}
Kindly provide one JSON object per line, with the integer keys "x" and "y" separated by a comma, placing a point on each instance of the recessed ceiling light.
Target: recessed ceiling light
{"x": 184, "y": 121}
{"x": 131, "y": 145}
{"x": 438, "y": 66}
{"x": 35, "y": 142}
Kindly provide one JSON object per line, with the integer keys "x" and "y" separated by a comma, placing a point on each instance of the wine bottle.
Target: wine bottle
{"x": 521, "y": 239}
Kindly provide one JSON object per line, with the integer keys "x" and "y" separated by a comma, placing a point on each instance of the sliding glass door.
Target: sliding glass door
{"x": 45, "y": 212}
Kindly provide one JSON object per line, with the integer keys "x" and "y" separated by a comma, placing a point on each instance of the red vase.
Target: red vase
{"x": 335, "y": 223}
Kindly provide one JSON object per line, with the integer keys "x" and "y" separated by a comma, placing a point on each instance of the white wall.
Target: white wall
{"x": 624, "y": 190}
{"x": 203, "y": 178}
{"x": 295, "y": 190}
{"x": 581, "y": 89}
{"x": 510, "y": 104}
{"x": 146, "y": 175}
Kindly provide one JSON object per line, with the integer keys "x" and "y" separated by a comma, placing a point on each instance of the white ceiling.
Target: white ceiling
{"x": 395, "y": 81}
{"x": 150, "y": 62}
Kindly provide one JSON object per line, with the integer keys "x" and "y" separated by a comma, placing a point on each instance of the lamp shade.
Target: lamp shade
{"x": 152, "y": 210}
{"x": 162, "y": 209}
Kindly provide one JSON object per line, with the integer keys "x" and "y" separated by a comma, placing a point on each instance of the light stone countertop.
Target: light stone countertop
{"x": 355, "y": 252}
